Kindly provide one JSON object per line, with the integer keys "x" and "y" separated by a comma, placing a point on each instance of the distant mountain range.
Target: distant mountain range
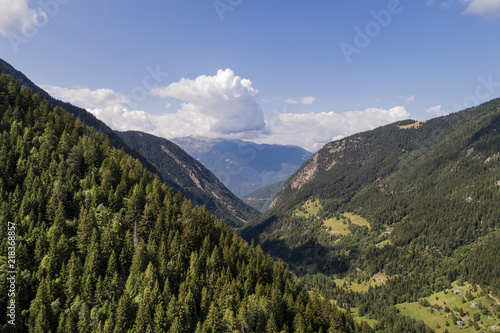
{"x": 245, "y": 166}
{"x": 174, "y": 166}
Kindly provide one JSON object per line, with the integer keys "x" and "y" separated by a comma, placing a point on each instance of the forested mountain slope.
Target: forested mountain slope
{"x": 233, "y": 214}
{"x": 102, "y": 245}
{"x": 415, "y": 201}
{"x": 205, "y": 189}
{"x": 88, "y": 118}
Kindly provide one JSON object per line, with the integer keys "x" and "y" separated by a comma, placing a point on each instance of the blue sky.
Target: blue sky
{"x": 288, "y": 72}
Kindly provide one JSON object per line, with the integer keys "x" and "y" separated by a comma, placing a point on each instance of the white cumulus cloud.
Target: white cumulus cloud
{"x": 227, "y": 99}
{"x": 482, "y": 7}
{"x": 217, "y": 106}
{"x": 407, "y": 99}
{"x": 112, "y": 108}
{"x": 95, "y": 99}
{"x": 313, "y": 130}
{"x": 17, "y": 15}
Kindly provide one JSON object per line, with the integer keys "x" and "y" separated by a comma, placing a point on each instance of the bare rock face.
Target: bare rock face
{"x": 305, "y": 174}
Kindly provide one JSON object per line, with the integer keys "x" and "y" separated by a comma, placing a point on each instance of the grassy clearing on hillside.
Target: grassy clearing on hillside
{"x": 338, "y": 226}
{"x": 414, "y": 125}
{"x": 363, "y": 286}
{"x": 356, "y": 219}
{"x": 437, "y": 317}
{"x": 341, "y": 226}
{"x": 355, "y": 315}
{"x": 308, "y": 209}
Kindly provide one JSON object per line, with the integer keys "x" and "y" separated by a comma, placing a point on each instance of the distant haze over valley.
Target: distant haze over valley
{"x": 245, "y": 166}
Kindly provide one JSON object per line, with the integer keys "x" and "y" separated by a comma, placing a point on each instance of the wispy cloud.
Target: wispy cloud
{"x": 482, "y": 7}
{"x": 291, "y": 101}
{"x": 100, "y": 98}
{"x": 309, "y": 100}
{"x": 474, "y": 7}
{"x": 16, "y": 15}
{"x": 407, "y": 99}
{"x": 436, "y": 110}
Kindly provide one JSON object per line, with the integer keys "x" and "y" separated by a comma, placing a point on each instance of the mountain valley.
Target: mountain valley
{"x": 393, "y": 230}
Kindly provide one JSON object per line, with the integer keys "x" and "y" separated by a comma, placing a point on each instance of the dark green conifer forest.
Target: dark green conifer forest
{"x": 103, "y": 246}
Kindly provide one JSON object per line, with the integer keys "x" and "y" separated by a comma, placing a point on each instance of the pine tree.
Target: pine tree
{"x": 142, "y": 319}
{"x": 271, "y": 326}
{"x": 84, "y": 319}
{"x": 176, "y": 326}
{"x": 125, "y": 314}
{"x": 159, "y": 318}
{"x": 72, "y": 283}
{"x": 40, "y": 319}
{"x": 298, "y": 324}
{"x": 213, "y": 321}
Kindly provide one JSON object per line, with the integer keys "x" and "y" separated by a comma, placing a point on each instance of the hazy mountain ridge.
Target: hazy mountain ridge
{"x": 245, "y": 166}
{"x": 262, "y": 198}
